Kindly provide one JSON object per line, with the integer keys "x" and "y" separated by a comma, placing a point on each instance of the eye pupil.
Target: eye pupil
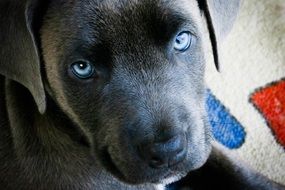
{"x": 178, "y": 40}
{"x": 83, "y": 66}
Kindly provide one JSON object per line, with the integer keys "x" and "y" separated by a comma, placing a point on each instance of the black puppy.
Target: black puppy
{"x": 101, "y": 94}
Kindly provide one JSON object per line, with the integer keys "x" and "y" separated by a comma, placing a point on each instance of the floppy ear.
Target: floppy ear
{"x": 19, "y": 55}
{"x": 220, "y": 16}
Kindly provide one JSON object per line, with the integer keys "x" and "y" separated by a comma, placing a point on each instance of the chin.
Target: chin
{"x": 135, "y": 172}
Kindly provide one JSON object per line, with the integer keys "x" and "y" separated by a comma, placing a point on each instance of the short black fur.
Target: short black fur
{"x": 139, "y": 121}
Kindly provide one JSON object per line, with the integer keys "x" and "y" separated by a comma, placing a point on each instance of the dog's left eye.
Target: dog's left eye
{"x": 83, "y": 69}
{"x": 183, "y": 41}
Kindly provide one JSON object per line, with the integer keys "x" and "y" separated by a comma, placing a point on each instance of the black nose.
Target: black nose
{"x": 167, "y": 152}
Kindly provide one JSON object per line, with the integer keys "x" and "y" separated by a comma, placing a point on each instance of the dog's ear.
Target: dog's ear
{"x": 19, "y": 53}
{"x": 220, "y": 16}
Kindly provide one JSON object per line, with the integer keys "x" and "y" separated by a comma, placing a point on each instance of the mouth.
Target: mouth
{"x": 110, "y": 166}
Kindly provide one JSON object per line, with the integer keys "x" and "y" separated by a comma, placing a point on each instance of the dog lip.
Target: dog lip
{"x": 109, "y": 164}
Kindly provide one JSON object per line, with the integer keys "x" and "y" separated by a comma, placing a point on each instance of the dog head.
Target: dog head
{"x": 129, "y": 74}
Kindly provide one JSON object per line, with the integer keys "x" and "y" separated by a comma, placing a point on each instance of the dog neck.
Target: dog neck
{"x": 46, "y": 143}
{"x": 49, "y": 132}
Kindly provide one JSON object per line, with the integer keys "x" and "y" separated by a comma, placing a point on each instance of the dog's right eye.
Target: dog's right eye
{"x": 183, "y": 41}
{"x": 83, "y": 69}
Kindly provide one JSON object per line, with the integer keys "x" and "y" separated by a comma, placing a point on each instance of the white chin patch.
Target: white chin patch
{"x": 166, "y": 182}
{"x": 170, "y": 180}
{"x": 160, "y": 187}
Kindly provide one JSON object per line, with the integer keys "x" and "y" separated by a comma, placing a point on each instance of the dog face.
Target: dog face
{"x": 130, "y": 75}
{"x": 120, "y": 76}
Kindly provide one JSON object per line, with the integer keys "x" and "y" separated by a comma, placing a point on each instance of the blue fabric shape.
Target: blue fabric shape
{"x": 225, "y": 127}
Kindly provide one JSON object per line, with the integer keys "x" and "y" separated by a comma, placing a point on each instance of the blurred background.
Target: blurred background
{"x": 246, "y": 100}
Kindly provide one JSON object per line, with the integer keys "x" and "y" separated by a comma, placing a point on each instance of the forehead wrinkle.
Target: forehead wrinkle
{"x": 112, "y": 16}
{"x": 121, "y": 25}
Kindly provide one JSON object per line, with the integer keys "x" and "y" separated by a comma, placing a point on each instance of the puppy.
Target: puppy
{"x": 103, "y": 94}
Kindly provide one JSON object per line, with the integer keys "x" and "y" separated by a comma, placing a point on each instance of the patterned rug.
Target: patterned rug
{"x": 246, "y": 100}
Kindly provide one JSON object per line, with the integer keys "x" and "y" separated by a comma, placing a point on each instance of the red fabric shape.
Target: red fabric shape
{"x": 270, "y": 101}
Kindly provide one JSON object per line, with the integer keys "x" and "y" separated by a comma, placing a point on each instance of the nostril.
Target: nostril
{"x": 157, "y": 162}
{"x": 179, "y": 157}
{"x": 173, "y": 144}
{"x": 153, "y": 157}
{"x": 164, "y": 154}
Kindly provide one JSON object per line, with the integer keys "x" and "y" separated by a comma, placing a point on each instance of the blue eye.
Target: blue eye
{"x": 182, "y": 41}
{"x": 82, "y": 69}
